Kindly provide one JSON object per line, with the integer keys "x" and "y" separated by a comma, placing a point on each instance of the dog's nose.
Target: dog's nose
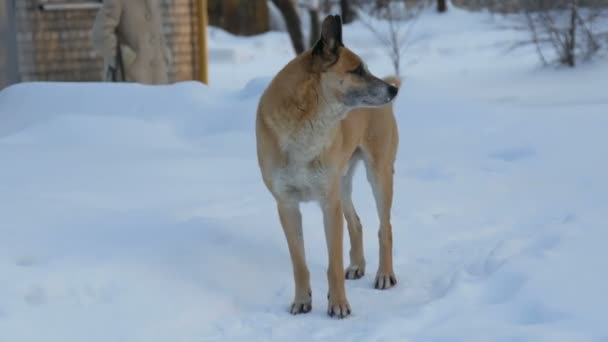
{"x": 392, "y": 91}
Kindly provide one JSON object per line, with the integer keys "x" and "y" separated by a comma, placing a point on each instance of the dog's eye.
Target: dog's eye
{"x": 359, "y": 71}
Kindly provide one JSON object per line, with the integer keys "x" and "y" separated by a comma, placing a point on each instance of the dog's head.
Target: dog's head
{"x": 343, "y": 74}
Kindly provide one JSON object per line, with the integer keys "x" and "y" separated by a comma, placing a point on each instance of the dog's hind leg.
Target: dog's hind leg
{"x": 291, "y": 220}
{"x": 380, "y": 175}
{"x": 356, "y": 269}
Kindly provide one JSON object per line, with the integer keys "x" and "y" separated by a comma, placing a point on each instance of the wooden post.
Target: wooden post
{"x": 202, "y": 41}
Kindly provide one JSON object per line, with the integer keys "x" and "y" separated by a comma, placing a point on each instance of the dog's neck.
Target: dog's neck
{"x": 308, "y": 115}
{"x": 314, "y": 132}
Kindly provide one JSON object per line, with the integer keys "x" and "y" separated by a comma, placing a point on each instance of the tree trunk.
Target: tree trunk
{"x": 326, "y": 6}
{"x": 348, "y": 15}
{"x": 292, "y": 21}
{"x": 571, "y": 41}
{"x": 315, "y": 27}
{"x": 442, "y": 6}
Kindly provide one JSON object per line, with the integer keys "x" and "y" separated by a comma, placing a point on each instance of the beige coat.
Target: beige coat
{"x": 136, "y": 27}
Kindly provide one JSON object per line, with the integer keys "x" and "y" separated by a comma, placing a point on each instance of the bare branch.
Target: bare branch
{"x": 399, "y": 28}
{"x": 535, "y": 38}
{"x": 564, "y": 28}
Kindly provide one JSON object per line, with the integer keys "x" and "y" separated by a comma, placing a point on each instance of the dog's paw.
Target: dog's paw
{"x": 354, "y": 272}
{"x": 338, "y": 308}
{"x": 300, "y": 306}
{"x": 385, "y": 281}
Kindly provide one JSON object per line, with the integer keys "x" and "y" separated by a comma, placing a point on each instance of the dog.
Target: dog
{"x": 320, "y": 115}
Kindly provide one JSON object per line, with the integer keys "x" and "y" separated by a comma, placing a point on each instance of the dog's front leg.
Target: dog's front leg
{"x": 334, "y": 231}
{"x": 291, "y": 220}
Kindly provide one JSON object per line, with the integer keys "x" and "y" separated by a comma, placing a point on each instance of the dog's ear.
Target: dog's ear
{"x": 327, "y": 47}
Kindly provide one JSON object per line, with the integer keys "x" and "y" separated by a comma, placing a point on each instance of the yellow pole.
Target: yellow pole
{"x": 202, "y": 41}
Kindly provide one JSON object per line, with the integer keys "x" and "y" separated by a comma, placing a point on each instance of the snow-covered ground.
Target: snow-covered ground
{"x": 137, "y": 213}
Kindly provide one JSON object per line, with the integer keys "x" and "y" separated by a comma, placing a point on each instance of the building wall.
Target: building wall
{"x": 8, "y": 44}
{"x": 242, "y": 17}
{"x": 56, "y": 45}
{"x": 181, "y": 30}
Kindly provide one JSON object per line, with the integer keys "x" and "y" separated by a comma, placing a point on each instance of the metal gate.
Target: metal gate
{"x": 9, "y": 70}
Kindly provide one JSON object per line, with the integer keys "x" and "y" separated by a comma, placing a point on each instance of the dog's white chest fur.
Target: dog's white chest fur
{"x": 304, "y": 177}
{"x": 301, "y": 181}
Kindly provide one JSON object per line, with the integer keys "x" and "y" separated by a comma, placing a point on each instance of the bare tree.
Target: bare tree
{"x": 570, "y": 39}
{"x": 348, "y": 15}
{"x": 563, "y": 31}
{"x": 292, "y": 22}
{"x": 400, "y": 18}
{"x": 442, "y": 6}
{"x": 313, "y": 8}
{"x": 315, "y": 25}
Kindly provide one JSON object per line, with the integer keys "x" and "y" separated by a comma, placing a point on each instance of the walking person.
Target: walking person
{"x": 128, "y": 34}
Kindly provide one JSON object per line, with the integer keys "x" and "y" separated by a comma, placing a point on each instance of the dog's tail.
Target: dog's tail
{"x": 394, "y": 80}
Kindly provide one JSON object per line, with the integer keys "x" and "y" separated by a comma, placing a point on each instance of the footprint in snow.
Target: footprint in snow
{"x": 536, "y": 313}
{"x": 513, "y": 154}
{"x": 544, "y": 244}
{"x": 36, "y": 296}
{"x": 513, "y": 248}
{"x": 503, "y": 287}
{"x": 569, "y": 218}
{"x": 27, "y": 261}
{"x": 428, "y": 174}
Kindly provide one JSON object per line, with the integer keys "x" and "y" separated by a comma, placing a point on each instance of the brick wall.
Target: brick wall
{"x": 242, "y": 17}
{"x": 8, "y": 44}
{"x": 56, "y": 45}
{"x": 181, "y": 31}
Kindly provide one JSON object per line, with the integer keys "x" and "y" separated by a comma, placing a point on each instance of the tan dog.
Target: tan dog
{"x": 310, "y": 136}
